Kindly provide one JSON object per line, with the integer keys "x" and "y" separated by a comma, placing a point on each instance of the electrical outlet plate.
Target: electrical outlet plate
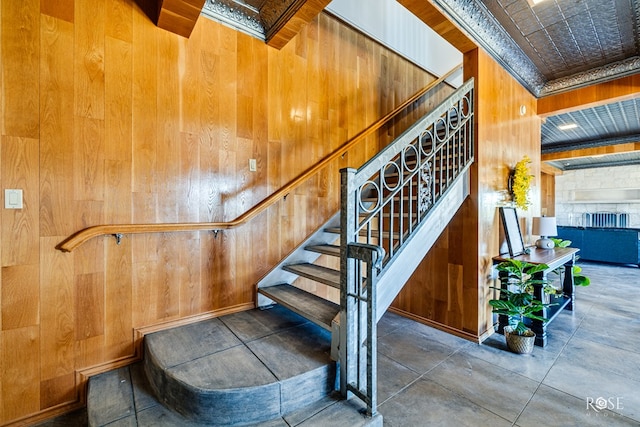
{"x": 12, "y": 199}
{"x": 253, "y": 165}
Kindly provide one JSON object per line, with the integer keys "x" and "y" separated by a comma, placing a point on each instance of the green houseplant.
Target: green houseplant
{"x": 517, "y": 302}
{"x": 578, "y": 278}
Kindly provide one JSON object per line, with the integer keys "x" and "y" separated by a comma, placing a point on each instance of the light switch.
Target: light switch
{"x": 12, "y": 199}
{"x": 253, "y": 166}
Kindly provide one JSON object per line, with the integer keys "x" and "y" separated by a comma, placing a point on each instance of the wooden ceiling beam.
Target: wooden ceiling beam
{"x": 550, "y": 170}
{"x": 428, "y": 13}
{"x": 592, "y": 152}
{"x": 179, "y": 16}
{"x": 290, "y": 24}
{"x": 591, "y": 96}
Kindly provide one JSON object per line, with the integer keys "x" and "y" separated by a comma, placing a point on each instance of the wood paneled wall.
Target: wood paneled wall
{"x": 450, "y": 289}
{"x": 108, "y": 119}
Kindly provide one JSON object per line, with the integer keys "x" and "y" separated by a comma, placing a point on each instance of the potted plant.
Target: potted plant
{"x": 578, "y": 278}
{"x": 517, "y": 302}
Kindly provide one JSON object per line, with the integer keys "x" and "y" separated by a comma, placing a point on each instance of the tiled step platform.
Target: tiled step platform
{"x": 259, "y": 367}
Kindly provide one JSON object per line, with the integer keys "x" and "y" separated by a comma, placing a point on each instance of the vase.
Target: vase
{"x": 521, "y": 344}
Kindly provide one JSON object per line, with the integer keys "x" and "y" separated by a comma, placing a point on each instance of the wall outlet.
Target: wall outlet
{"x": 253, "y": 165}
{"x": 12, "y": 199}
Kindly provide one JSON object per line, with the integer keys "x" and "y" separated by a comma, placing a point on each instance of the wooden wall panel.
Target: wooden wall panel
{"x": 20, "y": 373}
{"x": 108, "y": 119}
{"x": 20, "y": 226}
{"x": 453, "y": 284}
{"x": 547, "y": 194}
{"x": 20, "y": 39}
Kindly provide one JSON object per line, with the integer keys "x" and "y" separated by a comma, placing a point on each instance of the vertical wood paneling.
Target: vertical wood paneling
{"x": 20, "y": 39}
{"x": 88, "y": 159}
{"x": 118, "y": 300}
{"x": 20, "y": 299}
{"x": 57, "y": 391}
{"x": 61, "y": 9}
{"x": 119, "y": 122}
{"x": 20, "y": 372}
{"x": 119, "y": 21}
{"x": 548, "y": 194}
{"x": 144, "y": 104}
{"x": 89, "y": 306}
{"x": 57, "y": 316}
{"x": 89, "y": 59}
{"x": 20, "y": 227}
{"x": 56, "y": 126}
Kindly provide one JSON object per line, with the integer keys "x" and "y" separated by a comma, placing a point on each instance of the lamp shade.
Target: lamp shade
{"x": 544, "y": 226}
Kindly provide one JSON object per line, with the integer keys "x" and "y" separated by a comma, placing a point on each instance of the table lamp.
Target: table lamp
{"x": 544, "y": 227}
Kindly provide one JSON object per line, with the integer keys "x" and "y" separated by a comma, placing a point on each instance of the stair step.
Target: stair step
{"x": 316, "y": 309}
{"x": 332, "y": 250}
{"x": 321, "y": 274}
{"x": 244, "y": 368}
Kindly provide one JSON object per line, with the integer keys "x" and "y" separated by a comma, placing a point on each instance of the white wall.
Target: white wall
{"x": 612, "y": 189}
{"x": 392, "y": 25}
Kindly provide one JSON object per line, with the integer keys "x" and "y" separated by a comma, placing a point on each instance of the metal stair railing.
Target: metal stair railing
{"x": 382, "y": 205}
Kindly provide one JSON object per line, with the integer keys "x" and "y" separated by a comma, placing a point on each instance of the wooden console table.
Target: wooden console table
{"x": 554, "y": 258}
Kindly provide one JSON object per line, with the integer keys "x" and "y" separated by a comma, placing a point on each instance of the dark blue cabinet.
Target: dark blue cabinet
{"x": 618, "y": 245}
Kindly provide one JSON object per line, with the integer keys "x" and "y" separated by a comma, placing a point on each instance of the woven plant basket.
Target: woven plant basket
{"x": 521, "y": 344}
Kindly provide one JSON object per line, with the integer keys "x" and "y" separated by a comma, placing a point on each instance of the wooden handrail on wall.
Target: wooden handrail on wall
{"x": 118, "y": 230}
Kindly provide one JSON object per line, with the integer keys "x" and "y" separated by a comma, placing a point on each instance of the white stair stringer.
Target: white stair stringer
{"x": 278, "y": 275}
{"x": 398, "y": 271}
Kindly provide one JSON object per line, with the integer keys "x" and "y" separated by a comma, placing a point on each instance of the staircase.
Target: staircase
{"x": 393, "y": 209}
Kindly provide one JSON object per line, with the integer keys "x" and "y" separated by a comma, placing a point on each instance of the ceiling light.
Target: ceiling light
{"x": 534, "y": 2}
{"x": 568, "y": 126}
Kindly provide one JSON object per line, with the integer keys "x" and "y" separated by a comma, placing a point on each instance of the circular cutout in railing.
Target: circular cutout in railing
{"x": 410, "y": 157}
{"x": 369, "y": 197}
{"x": 454, "y": 118}
{"x": 427, "y": 144}
{"x": 389, "y": 171}
{"x": 442, "y": 130}
{"x": 465, "y": 107}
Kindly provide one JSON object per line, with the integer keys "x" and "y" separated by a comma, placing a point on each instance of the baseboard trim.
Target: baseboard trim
{"x": 453, "y": 331}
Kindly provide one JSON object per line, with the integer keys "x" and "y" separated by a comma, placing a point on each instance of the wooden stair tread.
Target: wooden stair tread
{"x": 332, "y": 250}
{"x": 321, "y": 274}
{"x": 316, "y": 309}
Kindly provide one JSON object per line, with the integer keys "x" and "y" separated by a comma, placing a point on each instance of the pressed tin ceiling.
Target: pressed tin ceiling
{"x": 258, "y": 18}
{"x": 555, "y": 45}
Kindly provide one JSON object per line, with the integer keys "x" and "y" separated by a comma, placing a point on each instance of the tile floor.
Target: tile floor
{"x": 587, "y": 375}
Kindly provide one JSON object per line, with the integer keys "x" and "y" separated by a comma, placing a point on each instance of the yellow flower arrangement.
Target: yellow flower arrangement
{"x": 521, "y": 182}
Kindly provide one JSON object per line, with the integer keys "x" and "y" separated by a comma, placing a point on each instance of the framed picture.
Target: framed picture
{"x": 512, "y": 232}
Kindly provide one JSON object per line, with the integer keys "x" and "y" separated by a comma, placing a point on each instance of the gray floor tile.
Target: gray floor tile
{"x": 179, "y": 345}
{"x": 413, "y": 350}
{"x": 391, "y": 322}
{"x": 392, "y": 377}
{"x": 499, "y": 390}
{"x": 229, "y": 369}
{"x": 142, "y": 393}
{"x": 253, "y": 324}
{"x": 550, "y": 407}
{"x": 534, "y": 366}
{"x": 426, "y": 403}
{"x": 294, "y": 351}
{"x": 342, "y": 413}
{"x": 584, "y": 382}
{"x": 598, "y": 357}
